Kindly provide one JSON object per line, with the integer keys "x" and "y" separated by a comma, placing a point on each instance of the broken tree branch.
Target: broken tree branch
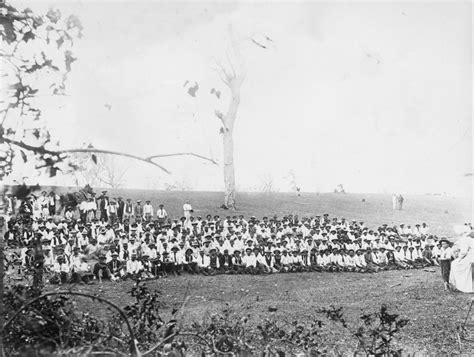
{"x": 57, "y": 153}
{"x": 221, "y": 118}
{"x": 183, "y": 154}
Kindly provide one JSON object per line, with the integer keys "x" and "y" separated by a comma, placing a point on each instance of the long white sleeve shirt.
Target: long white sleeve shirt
{"x": 134, "y": 266}
{"x": 249, "y": 260}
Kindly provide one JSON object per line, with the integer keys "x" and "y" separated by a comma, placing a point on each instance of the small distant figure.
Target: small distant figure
{"x": 397, "y": 201}
{"x": 400, "y": 202}
{"x": 394, "y": 201}
{"x": 188, "y": 209}
{"x": 298, "y": 189}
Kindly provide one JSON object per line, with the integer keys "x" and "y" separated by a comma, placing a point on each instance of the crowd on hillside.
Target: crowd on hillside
{"x": 116, "y": 239}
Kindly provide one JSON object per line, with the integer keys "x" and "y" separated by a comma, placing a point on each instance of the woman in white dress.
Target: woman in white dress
{"x": 461, "y": 267}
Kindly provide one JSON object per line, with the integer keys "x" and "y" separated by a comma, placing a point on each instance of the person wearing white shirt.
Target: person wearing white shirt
{"x": 190, "y": 263}
{"x": 91, "y": 208}
{"x": 204, "y": 263}
{"x": 424, "y": 229}
{"x": 187, "y": 210}
{"x": 359, "y": 261}
{"x": 147, "y": 211}
{"x": 445, "y": 257}
{"x": 161, "y": 215}
{"x": 349, "y": 261}
{"x": 285, "y": 260}
{"x": 250, "y": 261}
{"x": 112, "y": 212}
{"x": 68, "y": 214}
{"x": 400, "y": 259}
{"x": 338, "y": 260}
{"x": 375, "y": 256}
{"x": 61, "y": 270}
{"x": 102, "y": 239}
{"x": 81, "y": 271}
{"x": 322, "y": 260}
{"x": 83, "y": 210}
{"x": 262, "y": 265}
{"x": 177, "y": 257}
{"x": 134, "y": 266}
{"x": 382, "y": 256}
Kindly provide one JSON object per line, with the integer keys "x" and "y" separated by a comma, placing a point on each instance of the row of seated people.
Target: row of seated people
{"x": 252, "y": 261}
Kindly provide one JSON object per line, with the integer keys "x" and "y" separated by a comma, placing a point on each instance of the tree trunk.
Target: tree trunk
{"x": 2, "y": 308}
{"x": 228, "y": 141}
{"x": 229, "y": 172}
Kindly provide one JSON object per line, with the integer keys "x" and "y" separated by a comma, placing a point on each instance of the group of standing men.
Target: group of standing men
{"x": 119, "y": 210}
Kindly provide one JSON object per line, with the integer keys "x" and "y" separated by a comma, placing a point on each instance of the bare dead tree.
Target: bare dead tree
{"x": 267, "y": 184}
{"x": 233, "y": 76}
{"x": 106, "y": 170}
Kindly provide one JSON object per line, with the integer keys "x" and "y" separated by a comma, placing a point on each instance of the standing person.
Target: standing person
{"x": 138, "y": 210}
{"x": 161, "y": 215}
{"x": 8, "y": 204}
{"x": 394, "y": 201}
{"x": 103, "y": 206}
{"x": 36, "y": 205}
{"x": 112, "y": 212}
{"x": 52, "y": 204}
{"x": 188, "y": 209}
{"x": 400, "y": 202}
{"x": 120, "y": 209}
{"x": 460, "y": 276}
{"x": 147, "y": 211}
{"x": 128, "y": 210}
{"x": 91, "y": 209}
{"x": 44, "y": 203}
{"x": 445, "y": 257}
{"x": 83, "y": 211}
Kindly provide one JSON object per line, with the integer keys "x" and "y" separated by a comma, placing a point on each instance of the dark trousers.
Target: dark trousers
{"x": 191, "y": 268}
{"x": 445, "y": 269}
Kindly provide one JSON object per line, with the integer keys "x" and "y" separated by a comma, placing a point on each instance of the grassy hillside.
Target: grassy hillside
{"x": 439, "y": 212}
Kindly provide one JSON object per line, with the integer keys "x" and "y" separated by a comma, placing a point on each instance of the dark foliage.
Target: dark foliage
{"x": 376, "y": 333}
{"x": 54, "y": 324}
{"x": 28, "y": 73}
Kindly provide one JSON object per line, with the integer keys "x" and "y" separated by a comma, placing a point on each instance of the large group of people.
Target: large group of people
{"x": 117, "y": 239}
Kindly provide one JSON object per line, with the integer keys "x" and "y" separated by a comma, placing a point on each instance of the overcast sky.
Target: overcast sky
{"x": 376, "y": 96}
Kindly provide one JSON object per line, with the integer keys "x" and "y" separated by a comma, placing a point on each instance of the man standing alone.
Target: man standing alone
{"x": 161, "y": 215}
{"x": 104, "y": 206}
{"x": 120, "y": 209}
{"x": 188, "y": 209}
{"x": 394, "y": 201}
{"x": 400, "y": 202}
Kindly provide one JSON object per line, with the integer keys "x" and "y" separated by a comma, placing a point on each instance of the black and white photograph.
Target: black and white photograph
{"x": 236, "y": 178}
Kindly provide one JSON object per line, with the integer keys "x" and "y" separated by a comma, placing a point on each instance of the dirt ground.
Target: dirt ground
{"x": 415, "y": 294}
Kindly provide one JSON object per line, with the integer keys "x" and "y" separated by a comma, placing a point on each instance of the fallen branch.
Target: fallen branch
{"x": 392, "y": 286}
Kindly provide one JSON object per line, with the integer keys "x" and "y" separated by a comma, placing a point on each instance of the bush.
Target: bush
{"x": 51, "y": 323}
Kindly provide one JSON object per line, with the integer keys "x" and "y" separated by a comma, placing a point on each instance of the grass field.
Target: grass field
{"x": 439, "y": 212}
{"x": 433, "y": 313}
